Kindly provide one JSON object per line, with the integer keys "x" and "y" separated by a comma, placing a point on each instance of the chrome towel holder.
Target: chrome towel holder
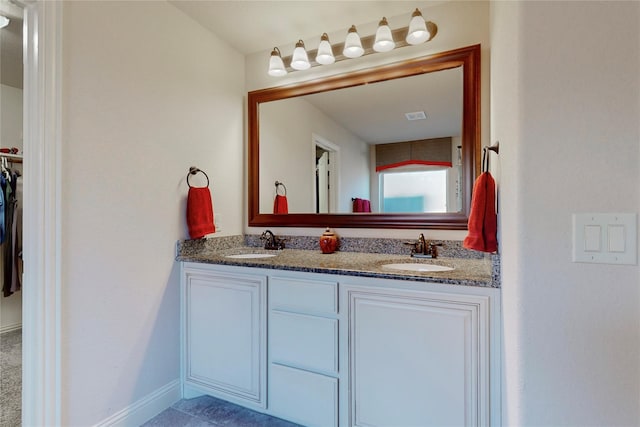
{"x": 194, "y": 170}
{"x": 485, "y": 158}
{"x": 278, "y": 184}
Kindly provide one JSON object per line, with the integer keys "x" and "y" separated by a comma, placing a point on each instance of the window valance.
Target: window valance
{"x": 430, "y": 152}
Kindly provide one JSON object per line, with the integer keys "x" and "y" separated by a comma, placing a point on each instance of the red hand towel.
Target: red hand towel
{"x": 483, "y": 222}
{"x": 366, "y": 205}
{"x": 280, "y": 205}
{"x": 200, "y": 212}
{"x": 357, "y": 205}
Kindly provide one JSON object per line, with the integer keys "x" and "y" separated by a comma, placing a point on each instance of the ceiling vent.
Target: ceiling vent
{"x": 416, "y": 115}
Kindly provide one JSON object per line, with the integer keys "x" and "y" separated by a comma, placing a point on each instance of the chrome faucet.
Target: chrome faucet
{"x": 423, "y": 248}
{"x": 271, "y": 241}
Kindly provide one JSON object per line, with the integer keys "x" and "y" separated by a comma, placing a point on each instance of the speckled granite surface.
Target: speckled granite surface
{"x": 195, "y": 246}
{"x": 449, "y": 248}
{"x": 364, "y": 259}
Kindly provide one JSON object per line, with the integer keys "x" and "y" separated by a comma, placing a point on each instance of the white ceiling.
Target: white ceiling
{"x": 376, "y": 112}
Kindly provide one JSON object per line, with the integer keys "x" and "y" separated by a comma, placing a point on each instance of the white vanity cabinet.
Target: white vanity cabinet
{"x": 224, "y": 330}
{"x": 338, "y": 350}
{"x": 421, "y": 358}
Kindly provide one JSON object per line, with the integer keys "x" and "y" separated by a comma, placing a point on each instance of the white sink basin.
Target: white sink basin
{"x": 250, "y": 256}
{"x": 413, "y": 266}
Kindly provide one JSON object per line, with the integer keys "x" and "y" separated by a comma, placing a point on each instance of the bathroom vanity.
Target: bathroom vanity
{"x": 340, "y": 340}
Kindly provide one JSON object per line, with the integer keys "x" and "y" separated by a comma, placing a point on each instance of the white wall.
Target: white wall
{"x": 147, "y": 93}
{"x": 288, "y": 129}
{"x": 460, "y": 23}
{"x": 10, "y": 117}
{"x": 566, "y": 103}
{"x": 10, "y": 136}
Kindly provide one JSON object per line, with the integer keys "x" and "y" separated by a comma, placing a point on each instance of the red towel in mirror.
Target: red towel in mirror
{"x": 280, "y": 205}
{"x": 361, "y": 205}
{"x": 483, "y": 221}
{"x": 200, "y": 212}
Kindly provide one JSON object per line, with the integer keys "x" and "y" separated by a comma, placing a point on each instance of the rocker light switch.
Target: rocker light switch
{"x": 592, "y": 238}
{"x": 616, "y": 238}
{"x": 605, "y": 238}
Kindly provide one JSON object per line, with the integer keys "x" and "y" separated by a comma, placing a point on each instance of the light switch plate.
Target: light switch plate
{"x": 609, "y": 238}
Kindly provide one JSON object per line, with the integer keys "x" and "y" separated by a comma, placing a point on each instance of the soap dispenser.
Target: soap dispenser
{"x": 328, "y": 242}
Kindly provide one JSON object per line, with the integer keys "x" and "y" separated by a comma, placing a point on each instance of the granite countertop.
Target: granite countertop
{"x": 467, "y": 271}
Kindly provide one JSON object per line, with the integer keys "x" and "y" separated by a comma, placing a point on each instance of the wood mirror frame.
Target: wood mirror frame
{"x": 468, "y": 58}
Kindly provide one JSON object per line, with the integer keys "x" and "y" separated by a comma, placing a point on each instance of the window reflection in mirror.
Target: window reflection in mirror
{"x": 415, "y": 192}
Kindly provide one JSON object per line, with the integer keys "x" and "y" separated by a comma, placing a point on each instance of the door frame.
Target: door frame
{"x": 41, "y": 323}
{"x": 334, "y": 167}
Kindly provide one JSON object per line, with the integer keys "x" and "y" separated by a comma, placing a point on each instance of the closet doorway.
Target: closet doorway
{"x": 11, "y": 191}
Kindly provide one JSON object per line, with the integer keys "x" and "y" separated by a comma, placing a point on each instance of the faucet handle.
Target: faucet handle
{"x": 414, "y": 246}
{"x": 433, "y": 249}
{"x": 279, "y": 242}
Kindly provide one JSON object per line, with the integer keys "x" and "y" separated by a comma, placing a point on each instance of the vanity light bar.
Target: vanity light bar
{"x": 281, "y": 66}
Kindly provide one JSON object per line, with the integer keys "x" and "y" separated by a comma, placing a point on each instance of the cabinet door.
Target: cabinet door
{"x": 224, "y": 335}
{"x": 417, "y": 358}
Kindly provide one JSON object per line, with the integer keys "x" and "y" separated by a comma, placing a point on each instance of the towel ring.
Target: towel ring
{"x": 194, "y": 170}
{"x": 278, "y": 183}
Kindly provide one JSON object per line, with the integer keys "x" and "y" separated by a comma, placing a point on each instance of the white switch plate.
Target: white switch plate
{"x": 605, "y": 238}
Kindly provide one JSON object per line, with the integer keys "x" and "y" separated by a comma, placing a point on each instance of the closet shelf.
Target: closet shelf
{"x": 13, "y": 158}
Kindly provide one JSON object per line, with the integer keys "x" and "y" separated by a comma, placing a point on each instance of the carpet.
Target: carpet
{"x": 10, "y": 378}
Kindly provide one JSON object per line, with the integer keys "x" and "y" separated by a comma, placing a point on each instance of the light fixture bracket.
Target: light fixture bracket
{"x": 399, "y": 34}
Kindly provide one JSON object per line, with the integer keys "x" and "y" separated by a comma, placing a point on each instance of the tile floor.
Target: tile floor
{"x": 207, "y": 411}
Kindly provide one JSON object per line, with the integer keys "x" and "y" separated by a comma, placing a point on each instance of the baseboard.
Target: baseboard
{"x": 9, "y": 328}
{"x": 146, "y": 408}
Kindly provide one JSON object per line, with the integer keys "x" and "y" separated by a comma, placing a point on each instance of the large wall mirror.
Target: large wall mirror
{"x": 395, "y": 146}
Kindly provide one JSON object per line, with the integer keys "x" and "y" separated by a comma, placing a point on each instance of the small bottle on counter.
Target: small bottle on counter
{"x": 328, "y": 242}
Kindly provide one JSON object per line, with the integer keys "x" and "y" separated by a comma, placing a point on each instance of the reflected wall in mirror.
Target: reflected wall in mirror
{"x": 385, "y": 143}
{"x": 344, "y": 146}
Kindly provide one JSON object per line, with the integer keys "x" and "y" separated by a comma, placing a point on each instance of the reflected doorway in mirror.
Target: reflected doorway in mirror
{"x": 325, "y": 157}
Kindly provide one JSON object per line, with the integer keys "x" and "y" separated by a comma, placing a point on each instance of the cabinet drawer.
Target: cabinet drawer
{"x": 303, "y": 341}
{"x": 303, "y": 397}
{"x": 307, "y": 296}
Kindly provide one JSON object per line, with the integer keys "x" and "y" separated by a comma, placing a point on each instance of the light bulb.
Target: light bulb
{"x": 300, "y": 60}
{"x": 325, "y": 52}
{"x": 353, "y": 45}
{"x": 384, "y": 39}
{"x": 276, "y": 65}
{"x": 418, "y": 32}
